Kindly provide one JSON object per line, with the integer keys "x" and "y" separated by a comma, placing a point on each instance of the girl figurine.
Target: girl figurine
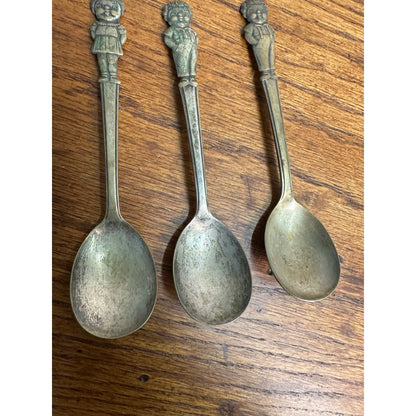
{"x": 108, "y": 36}
{"x": 259, "y": 34}
{"x": 181, "y": 38}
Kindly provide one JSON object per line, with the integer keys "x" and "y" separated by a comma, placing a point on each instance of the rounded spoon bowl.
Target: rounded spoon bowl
{"x": 301, "y": 252}
{"x": 113, "y": 281}
{"x": 211, "y": 273}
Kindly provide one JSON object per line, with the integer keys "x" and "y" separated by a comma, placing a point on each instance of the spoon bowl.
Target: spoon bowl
{"x": 211, "y": 273}
{"x": 301, "y": 252}
{"x": 113, "y": 281}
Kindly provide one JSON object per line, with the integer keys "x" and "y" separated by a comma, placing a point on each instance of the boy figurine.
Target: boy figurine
{"x": 181, "y": 39}
{"x": 108, "y": 36}
{"x": 259, "y": 34}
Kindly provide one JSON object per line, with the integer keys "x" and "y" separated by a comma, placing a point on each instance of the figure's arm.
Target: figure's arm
{"x": 249, "y": 33}
{"x": 272, "y": 32}
{"x": 93, "y": 28}
{"x": 169, "y": 38}
{"x": 122, "y": 33}
{"x": 195, "y": 38}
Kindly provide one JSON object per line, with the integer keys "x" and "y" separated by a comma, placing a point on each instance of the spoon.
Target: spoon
{"x": 113, "y": 281}
{"x": 300, "y": 251}
{"x": 211, "y": 272}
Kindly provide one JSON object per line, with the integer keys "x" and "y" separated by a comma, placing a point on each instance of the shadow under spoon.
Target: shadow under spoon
{"x": 113, "y": 281}
{"x": 211, "y": 272}
{"x": 300, "y": 251}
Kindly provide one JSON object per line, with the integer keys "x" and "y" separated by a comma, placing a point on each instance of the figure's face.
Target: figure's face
{"x": 179, "y": 17}
{"x": 257, "y": 14}
{"x": 107, "y": 11}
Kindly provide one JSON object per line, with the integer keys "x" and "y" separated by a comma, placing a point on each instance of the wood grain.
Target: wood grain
{"x": 282, "y": 356}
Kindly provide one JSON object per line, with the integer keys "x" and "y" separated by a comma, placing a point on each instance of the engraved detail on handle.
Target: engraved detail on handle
{"x": 261, "y": 36}
{"x": 189, "y": 94}
{"x": 183, "y": 41}
{"x": 271, "y": 90}
{"x": 109, "y": 36}
{"x": 109, "y": 103}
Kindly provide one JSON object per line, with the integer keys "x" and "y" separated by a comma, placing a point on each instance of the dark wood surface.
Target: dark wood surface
{"x": 282, "y": 356}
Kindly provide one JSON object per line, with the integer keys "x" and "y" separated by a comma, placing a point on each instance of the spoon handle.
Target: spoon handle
{"x": 183, "y": 41}
{"x": 261, "y": 36}
{"x": 109, "y": 36}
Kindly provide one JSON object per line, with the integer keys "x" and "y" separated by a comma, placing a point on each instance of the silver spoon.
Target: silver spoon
{"x": 301, "y": 253}
{"x": 113, "y": 280}
{"x": 211, "y": 272}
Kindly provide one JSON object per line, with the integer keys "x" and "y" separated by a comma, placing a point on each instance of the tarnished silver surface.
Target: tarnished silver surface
{"x": 300, "y": 251}
{"x": 211, "y": 272}
{"x": 113, "y": 281}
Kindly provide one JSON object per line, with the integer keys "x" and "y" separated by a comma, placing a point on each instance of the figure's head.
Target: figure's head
{"x": 107, "y": 10}
{"x": 255, "y": 11}
{"x": 177, "y": 14}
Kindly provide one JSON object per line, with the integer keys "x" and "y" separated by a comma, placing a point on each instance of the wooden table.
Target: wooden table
{"x": 282, "y": 356}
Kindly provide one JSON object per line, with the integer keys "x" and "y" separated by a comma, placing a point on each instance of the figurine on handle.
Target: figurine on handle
{"x": 260, "y": 35}
{"x": 108, "y": 35}
{"x": 182, "y": 39}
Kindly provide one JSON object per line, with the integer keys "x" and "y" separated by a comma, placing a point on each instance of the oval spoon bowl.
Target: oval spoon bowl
{"x": 300, "y": 251}
{"x": 113, "y": 281}
{"x": 211, "y": 272}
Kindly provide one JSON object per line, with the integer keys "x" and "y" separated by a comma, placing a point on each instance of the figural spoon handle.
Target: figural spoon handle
{"x": 260, "y": 35}
{"x": 183, "y": 41}
{"x": 109, "y": 36}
